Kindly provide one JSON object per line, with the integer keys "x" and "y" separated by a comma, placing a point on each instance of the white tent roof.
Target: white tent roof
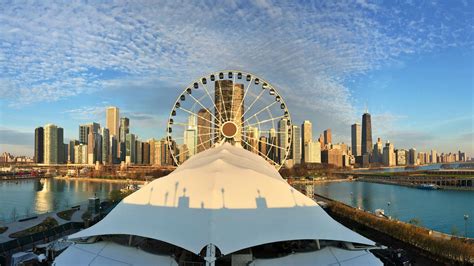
{"x": 110, "y": 254}
{"x": 326, "y": 256}
{"x": 226, "y": 196}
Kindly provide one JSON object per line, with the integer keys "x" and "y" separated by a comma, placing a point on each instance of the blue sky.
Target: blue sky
{"x": 410, "y": 62}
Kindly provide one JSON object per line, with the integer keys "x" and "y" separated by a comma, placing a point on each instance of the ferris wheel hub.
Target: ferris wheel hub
{"x": 229, "y": 129}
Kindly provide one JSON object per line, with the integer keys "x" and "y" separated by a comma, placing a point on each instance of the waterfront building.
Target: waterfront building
{"x": 412, "y": 157}
{"x": 313, "y": 151}
{"x": 124, "y": 128}
{"x": 263, "y": 146}
{"x": 80, "y": 154}
{"x": 39, "y": 145}
{"x": 421, "y": 158}
{"x": 296, "y": 145}
{"x": 377, "y": 154}
{"x": 114, "y": 155}
{"x": 433, "y": 156}
{"x": 94, "y": 148}
{"x": 366, "y": 134}
{"x": 272, "y": 144}
{"x": 138, "y": 152}
{"x": 251, "y": 139}
{"x": 112, "y": 117}
{"x": 85, "y": 129}
{"x": 388, "y": 156}
{"x": 71, "y": 151}
{"x": 51, "y": 149}
{"x": 356, "y": 139}
{"x": 105, "y": 149}
{"x": 283, "y": 138}
{"x": 130, "y": 149}
{"x": 190, "y": 137}
{"x": 401, "y": 156}
{"x": 332, "y": 156}
{"x": 146, "y": 153}
{"x": 62, "y": 149}
{"x": 204, "y": 139}
{"x": 306, "y": 136}
{"x": 327, "y": 137}
{"x": 228, "y": 206}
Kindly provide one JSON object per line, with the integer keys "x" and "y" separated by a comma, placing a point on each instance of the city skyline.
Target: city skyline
{"x": 416, "y": 80}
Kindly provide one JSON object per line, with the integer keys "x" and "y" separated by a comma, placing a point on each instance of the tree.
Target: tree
{"x": 454, "y": 231}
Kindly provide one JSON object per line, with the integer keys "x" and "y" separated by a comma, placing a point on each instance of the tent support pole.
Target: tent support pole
{"x": 130, "y": 239}
{"x": 210, "y": 255}
{"x": 317, "y": 244}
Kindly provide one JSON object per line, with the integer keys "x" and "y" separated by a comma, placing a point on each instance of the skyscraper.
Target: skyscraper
{"x": 388, "y": 155}
{"x": 85, "y": 129}
{"x": 124, "y": 128}
{"x": 327, "y": 136}
{"x": 272, "y": 144}
{"x": 313, "y": 152}
{"x": 262, "y": 146}
{"x": 190, "y": 137}
{"x": 433, "y": 157}
{"x": 412, "y": 157}
{"x": 366, "y": 134}
{"x": 112, "y": 120}
{"x": 230, "y": 106}
{"x": 307, "y": 136}
{"x": 39, "y": 145}
{"x": 283, "y": 138}
{"x": 377, "y": 153}
{"x": 130, "y": 148}
{"x": 296, "y": 145}
{"x": 72, "y": 153}
{"x": 62, "y": 150}
{"x": 94, "y": 148}
{"x": 204, "y": 140}
{"x": 50, "y": 144}
{"x": 146, "y": 153}
{"x": 356, "y": 138}
{"x": 106, "y": 159}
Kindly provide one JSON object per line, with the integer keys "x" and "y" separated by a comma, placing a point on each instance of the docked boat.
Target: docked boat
{"x": 428, "y": 186}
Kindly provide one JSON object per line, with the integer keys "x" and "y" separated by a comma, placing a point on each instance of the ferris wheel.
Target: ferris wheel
{"x": 229, "y": 106}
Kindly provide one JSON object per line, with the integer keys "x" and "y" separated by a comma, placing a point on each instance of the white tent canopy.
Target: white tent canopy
{"x": 110, "y": 254}
{"x": 325, "y": 256}
{"x": 226, "y": 196}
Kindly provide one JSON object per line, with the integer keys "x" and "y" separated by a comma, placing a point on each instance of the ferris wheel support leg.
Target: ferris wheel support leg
{"x": 210, "y": 255}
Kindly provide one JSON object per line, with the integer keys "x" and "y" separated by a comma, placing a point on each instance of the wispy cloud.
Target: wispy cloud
{"x": 50, "y": 52}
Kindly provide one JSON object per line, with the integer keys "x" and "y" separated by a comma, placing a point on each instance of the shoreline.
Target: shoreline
{"x": 107, "y": 180}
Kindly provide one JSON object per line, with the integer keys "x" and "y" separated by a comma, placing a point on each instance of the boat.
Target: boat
{"x": 428, "y": 186}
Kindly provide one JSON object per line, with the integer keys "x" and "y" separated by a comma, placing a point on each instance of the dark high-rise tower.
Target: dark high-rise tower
{"x": 39, "y": 145}
{"x": 366, "y": 134}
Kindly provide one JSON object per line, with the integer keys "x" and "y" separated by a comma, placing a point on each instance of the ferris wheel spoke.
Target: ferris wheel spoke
{"x": 197, "y": 135}
{"x": 262, "y": 154}
{"x": 241, "y": 106}
{"x": 266, "y": 131}
{"x": 185, "y": 125}
{"x": 223, "y": 102}
{"x": 278, "y": 147}
{"x": 191, "y": 113}
{"x": 250, "y": 106}
{"x": 187, "y": 151}
{"x": 265, "y": 121}
{"x": 232, "y": 115}
{"x": 213, "y": 102}
{"x": 199, "y": 102}
{"x": 263, "y": 109}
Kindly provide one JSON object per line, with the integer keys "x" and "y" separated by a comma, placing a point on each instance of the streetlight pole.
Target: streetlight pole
{"x": 388, "y": 209}
{"x": 465, "y": 224}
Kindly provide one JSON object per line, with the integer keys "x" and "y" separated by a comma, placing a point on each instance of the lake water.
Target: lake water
{"x": 440, "y": 210}
{"x": 48, "y": 194}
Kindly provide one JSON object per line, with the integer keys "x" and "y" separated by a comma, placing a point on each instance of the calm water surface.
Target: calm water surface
{"x": 441, "y": 210}
{"x": 45, "y": 195}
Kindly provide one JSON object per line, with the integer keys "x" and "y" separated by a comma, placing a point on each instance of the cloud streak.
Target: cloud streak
{"x": 50, "y": 52}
